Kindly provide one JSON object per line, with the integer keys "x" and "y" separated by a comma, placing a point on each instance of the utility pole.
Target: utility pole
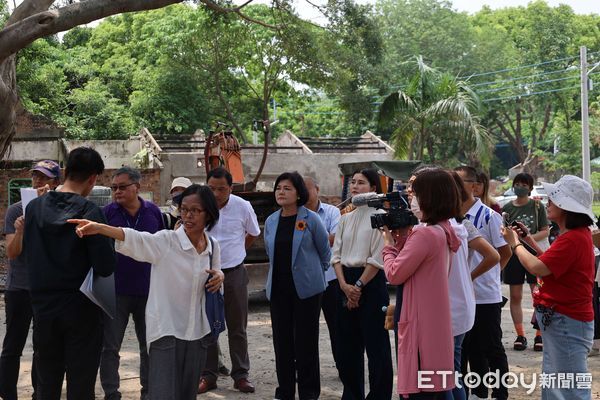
{"x": 585, "y": 126}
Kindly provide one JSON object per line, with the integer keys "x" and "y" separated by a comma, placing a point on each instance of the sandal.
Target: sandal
{"x": 520, "y": 343}
{"x": 538, "y": 344}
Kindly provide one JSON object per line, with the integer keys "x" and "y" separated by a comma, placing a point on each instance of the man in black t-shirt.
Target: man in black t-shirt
{"x": 68, "y": 331}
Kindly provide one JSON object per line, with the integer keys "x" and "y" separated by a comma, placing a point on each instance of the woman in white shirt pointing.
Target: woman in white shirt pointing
{"x": 177, "y": 328}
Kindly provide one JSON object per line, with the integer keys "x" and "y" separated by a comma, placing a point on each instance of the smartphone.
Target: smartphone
{"x": 506, "y": 219}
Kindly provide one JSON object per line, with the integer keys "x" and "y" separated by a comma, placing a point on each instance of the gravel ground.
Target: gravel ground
{"x": 262, "y": 359}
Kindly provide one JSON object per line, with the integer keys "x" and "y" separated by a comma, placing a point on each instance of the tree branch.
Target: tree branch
{"x": 28, "y": 8}
{"x": 20, "y": 34}
{"x": 505, "y": 131}
{"x": 237, "y": 10}
{"x": 546, "y": 121}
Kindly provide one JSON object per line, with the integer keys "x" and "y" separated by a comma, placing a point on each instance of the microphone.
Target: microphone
{"x": 363, "y": 198}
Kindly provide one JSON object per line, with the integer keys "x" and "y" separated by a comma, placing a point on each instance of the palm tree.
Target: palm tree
{"x": 436, "y": 113}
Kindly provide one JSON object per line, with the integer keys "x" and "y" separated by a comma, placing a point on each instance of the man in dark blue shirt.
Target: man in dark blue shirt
{"x": 132, "y": 280}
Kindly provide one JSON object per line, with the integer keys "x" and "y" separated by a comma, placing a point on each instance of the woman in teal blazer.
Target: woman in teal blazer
{"x": 298, "y": 248}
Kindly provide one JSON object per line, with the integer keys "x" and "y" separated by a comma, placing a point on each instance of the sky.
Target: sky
{"x": 470, "y": 6}
{"x": 306, "y": 11}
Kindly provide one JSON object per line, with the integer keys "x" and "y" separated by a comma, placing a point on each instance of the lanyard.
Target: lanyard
{"x": 137, "y": 220}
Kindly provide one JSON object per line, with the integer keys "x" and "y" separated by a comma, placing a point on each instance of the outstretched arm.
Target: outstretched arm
{"x": 86, "y": 228}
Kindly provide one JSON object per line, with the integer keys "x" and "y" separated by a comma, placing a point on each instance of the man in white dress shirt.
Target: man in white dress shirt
{"x": 235, "y": 231}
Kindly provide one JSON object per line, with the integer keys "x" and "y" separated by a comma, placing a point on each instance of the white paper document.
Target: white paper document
{"x": 101, "y": 291}
{"x": 27, "y": 194}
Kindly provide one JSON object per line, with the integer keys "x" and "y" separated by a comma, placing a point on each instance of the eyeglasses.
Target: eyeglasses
{"x": 114, "y": 188}
{"x": 194, "y": 211}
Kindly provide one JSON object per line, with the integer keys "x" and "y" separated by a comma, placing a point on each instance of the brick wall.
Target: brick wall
{"x": 150, "y": 183}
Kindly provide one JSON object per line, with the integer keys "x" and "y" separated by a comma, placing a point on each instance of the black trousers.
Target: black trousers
{"x": 329, "y": 305}
{"x": 362, "y": 329}
{"x": 18, "y": 320}
{"x": 295, "y": 324}
{"x": 483, "y": 348}
{"x": 70, "y": 344}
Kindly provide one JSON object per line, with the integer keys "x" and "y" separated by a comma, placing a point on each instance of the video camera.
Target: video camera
{"x": 398, "y": 214}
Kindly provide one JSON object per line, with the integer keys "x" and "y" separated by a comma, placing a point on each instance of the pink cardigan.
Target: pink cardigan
{"x": 421, "y": 263}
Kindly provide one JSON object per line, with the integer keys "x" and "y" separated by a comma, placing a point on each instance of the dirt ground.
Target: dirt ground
{"x": 262, "y": 361}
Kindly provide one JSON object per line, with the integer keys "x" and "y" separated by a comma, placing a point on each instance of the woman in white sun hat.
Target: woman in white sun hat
{"x": 565, "y": 279}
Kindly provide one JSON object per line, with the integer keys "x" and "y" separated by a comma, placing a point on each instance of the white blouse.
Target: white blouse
{"x": 176, "y": 303}
{"x": 356, "y": 243}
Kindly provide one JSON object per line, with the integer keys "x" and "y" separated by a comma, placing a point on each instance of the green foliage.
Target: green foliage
{"x": 3, "y": 12}
{"x": 183, "y": 67}
{"x": 434, "y": 119}
{"x": 97, "y": 114}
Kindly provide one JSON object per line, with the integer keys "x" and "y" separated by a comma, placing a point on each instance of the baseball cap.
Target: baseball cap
{"x": 47, "y": 167}
{"x": 180, "y": 182}
{"x": 572, "y": 193}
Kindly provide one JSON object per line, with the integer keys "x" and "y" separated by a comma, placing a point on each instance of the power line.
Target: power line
{"x": 530, "y": 94}
{"x": 523, "y": 66}
{"x": 527, "y": 84}
{"x": 518, "y": 78}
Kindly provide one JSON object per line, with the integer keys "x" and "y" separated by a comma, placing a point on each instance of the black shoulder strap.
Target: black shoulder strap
{"x": 210, "y": 253}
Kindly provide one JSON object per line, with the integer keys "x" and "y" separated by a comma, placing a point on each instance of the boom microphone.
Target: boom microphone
{"x": 363, "y": 198}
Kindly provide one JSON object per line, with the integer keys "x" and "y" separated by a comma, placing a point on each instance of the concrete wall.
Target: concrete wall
{"x": 320, "y": 166}
{"x": 115, "y": 153}
{"x": 35, "y": 150}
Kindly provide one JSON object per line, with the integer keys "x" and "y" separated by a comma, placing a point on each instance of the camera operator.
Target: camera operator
{"x": 359, "y": 268}
{"x": 421, "y": 261}
{"x": 562, "y": 299}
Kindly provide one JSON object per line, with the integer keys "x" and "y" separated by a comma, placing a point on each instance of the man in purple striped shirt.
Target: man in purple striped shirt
{"x": 132, "y": 280}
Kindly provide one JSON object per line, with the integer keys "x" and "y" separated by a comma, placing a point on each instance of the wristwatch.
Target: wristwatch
{"x": 359, "y": 284}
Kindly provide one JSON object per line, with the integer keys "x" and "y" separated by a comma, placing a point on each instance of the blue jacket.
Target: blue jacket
{"x": 310, "y": 252}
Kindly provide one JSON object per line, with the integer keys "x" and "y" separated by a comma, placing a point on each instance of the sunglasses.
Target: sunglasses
{"x": 114, "y": 188}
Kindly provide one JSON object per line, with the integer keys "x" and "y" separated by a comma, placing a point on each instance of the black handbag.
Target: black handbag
{"x": 215, "y": 305}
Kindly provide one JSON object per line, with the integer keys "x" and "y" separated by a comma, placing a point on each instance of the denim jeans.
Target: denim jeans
{"x": 567, "y": 343}
{"x": 458, "y": 393}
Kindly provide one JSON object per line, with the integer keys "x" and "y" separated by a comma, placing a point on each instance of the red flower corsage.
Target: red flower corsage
{"x": 301, "y": 225}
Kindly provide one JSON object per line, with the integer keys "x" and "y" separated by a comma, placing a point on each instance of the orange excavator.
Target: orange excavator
{"x": 223, "y": 150}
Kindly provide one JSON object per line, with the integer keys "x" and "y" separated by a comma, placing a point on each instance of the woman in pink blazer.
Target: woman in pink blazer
{"x": 421, "y": 261}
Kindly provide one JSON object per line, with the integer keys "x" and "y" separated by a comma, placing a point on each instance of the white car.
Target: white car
{"x": 538, "y": 193}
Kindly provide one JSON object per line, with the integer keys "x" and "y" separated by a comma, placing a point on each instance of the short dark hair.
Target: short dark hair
{"x": 82, "y": 163}
{"x": 219, "y": 173}
{"x": 372, "y": 176}
{"x": 298, "y": 184}
{"x": 464, "y": 196}
{"x": 575, "y": 220}
{"x": 437, "y": 194}
{"x": 134, "y": 174}
{"x": 208, "y": 200}
{"x": 470, "y": 172}
{"x": 525, "y": 178}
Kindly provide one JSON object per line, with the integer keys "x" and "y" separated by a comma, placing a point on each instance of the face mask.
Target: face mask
{"x": 521, "y": 191}
{"x": 414, "y": 207}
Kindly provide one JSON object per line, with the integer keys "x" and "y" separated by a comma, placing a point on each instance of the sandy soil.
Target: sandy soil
{"x": 262, "y": 360}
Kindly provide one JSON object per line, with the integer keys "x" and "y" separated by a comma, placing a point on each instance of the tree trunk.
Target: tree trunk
{"x": 9, "y": 101}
